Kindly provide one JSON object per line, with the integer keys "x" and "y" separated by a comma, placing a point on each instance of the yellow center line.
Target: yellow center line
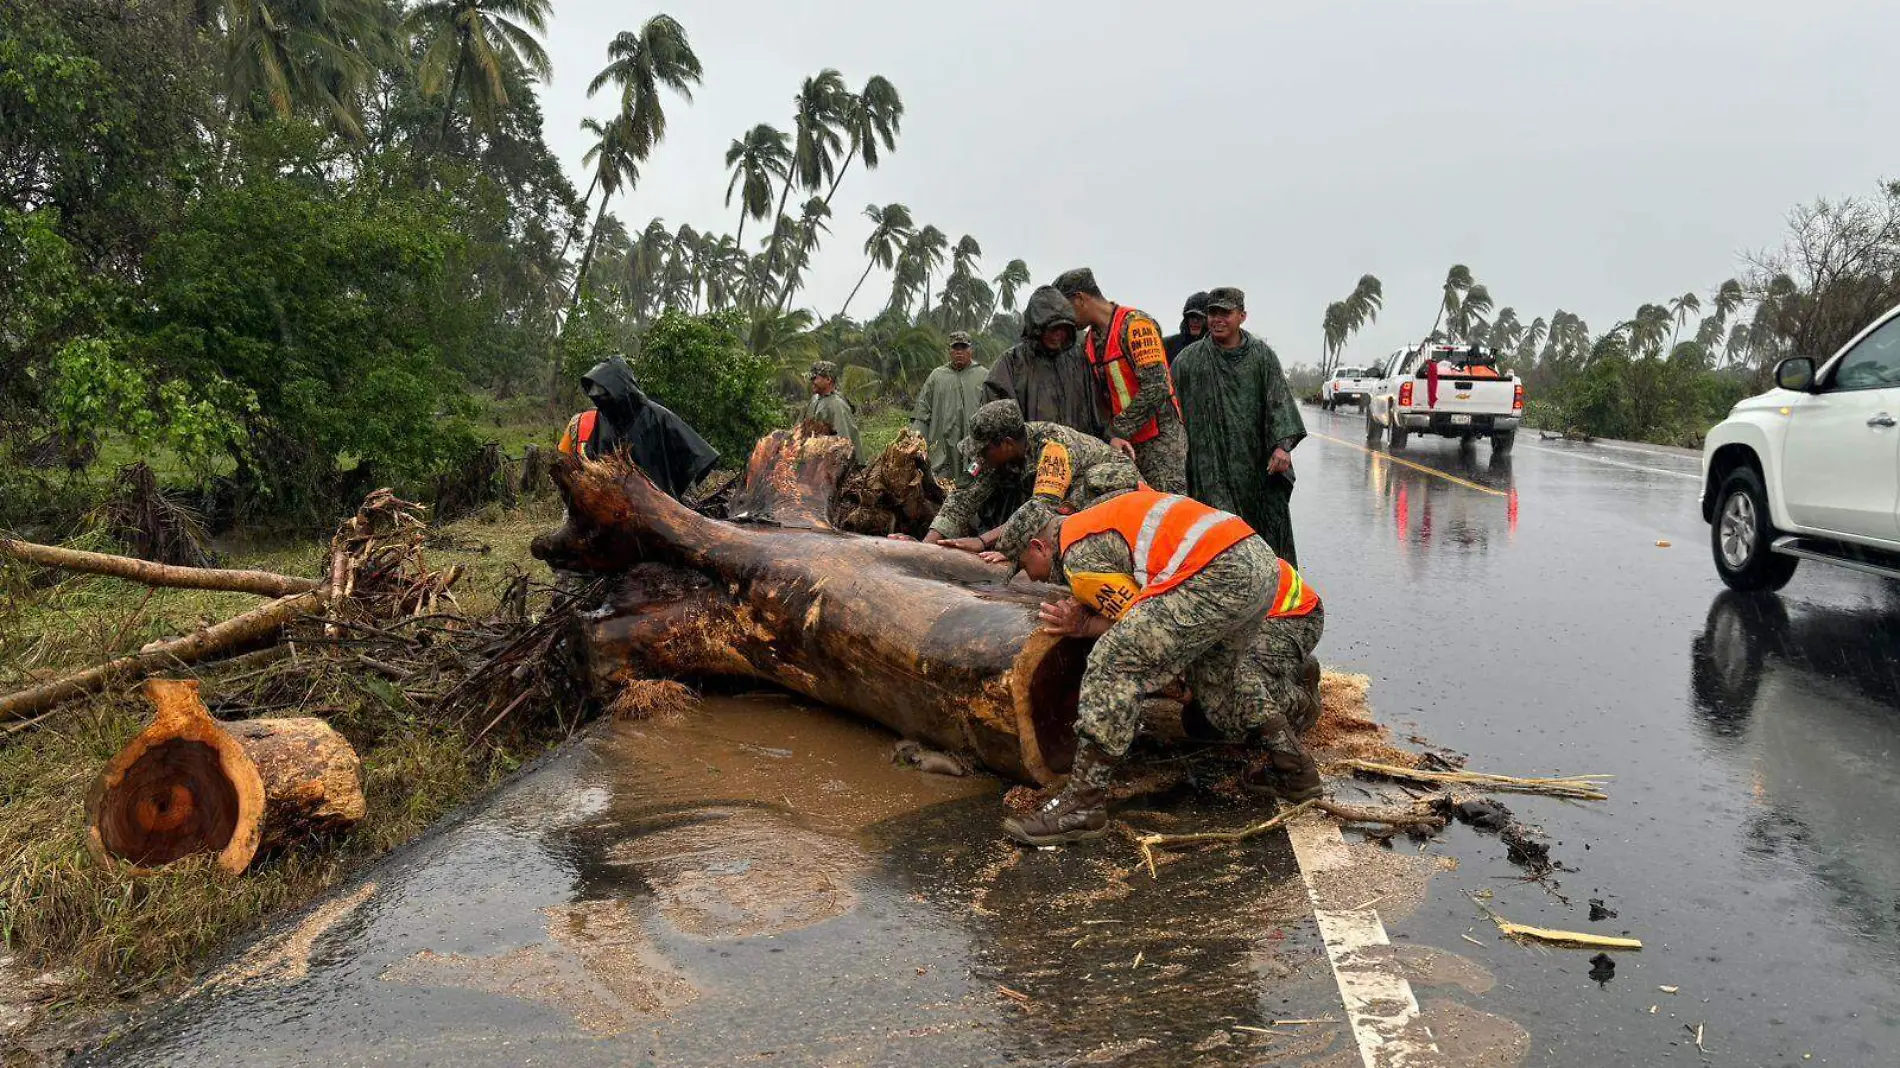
{"x": 1454, "y": 479}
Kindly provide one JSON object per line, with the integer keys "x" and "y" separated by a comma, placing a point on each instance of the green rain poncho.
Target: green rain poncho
{"x": 1238, "y": 407}
{"x": 832, "y": 408}
{"x": 944, "y": 407}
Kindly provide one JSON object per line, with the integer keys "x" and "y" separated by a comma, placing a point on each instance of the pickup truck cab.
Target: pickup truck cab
{"x": 1451, "y": 390}
{"x": 1810, "y": 470}
{"x": 1349, "y": 385}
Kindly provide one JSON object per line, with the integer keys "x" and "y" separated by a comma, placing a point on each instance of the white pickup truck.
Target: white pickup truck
{"x": 1810, "y": 470}
{"x": 1471, "y": 397}
{"x": 1349, "y": 385}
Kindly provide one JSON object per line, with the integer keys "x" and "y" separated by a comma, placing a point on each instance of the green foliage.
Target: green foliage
{"x": 700, "y": 367}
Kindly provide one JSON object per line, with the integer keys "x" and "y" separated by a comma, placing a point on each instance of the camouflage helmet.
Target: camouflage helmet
{"x": 1078, "y": 280}
{"x": 825, "y": 368}
{"x": 999, "y": 420}
{"x": 1022, "y": 526}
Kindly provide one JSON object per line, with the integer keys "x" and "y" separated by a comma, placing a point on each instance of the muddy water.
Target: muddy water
{"x": 756, "y": 881}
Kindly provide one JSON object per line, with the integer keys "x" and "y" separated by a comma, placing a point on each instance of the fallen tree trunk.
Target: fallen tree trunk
{"x": 238, "y": 634}
{"x": 927, "y": 641}
{"x": 266, "y": 583}
{"x": 189, "y": 784}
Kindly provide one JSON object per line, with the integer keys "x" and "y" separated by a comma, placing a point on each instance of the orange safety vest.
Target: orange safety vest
{"x": 1170, "y": 537}
{"x": 1115, "y": 369}
{"x": 579, "y": 431}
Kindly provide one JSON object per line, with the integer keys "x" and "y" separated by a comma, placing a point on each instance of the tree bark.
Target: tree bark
{"x": 267, "y": 583}
{"x": 235, "y": 635}
{"x": 927, "y": 641}
{"x": 189, "y": 784}
{"x": 448, "y": 106}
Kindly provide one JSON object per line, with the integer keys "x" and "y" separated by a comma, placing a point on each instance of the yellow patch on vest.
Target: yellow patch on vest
{"x": 1109, "y": 593}
{"x": 1054, "y": 472}
{"x": 1144, "y": 343}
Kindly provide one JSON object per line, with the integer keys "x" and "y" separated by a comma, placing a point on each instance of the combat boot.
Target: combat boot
{"x": 1304, "y": 717}
{"x": 1288, "y": 774}
{"x": 1078, "y": 813}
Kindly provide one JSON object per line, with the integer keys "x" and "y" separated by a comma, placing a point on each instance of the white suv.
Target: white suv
{"x": 1810, "y": 470}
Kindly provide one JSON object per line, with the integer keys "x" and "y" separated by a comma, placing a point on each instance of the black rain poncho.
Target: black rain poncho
{"x": 671, "y": 453}
{"x": 1050, "y": 387}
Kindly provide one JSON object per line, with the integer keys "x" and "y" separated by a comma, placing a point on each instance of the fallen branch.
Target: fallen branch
{"x": 266, "y": 583}
{"x": 1148, "y": 842}
{"x": 1550, "y": 936}
{"x": 1578, "y": 787}
{"x": 1403, "y": 818}
{"x": 255, "y": 627}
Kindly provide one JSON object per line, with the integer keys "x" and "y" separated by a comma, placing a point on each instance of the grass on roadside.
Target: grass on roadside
{"x": 123, "y": 936}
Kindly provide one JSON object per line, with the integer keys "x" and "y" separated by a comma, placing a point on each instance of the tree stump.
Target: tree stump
{"x": 895, "y": 494}
{"x": 189, "y": 784}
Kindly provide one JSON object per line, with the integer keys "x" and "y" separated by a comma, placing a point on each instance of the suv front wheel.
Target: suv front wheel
{"x": 1741, "y": 535}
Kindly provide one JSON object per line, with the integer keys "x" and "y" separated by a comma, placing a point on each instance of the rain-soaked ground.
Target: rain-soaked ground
{"x": 756, "y": 883}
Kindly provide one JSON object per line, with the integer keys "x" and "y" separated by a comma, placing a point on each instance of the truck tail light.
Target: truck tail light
{"x": 1517, "y": 398}
{"x": 1405, "y": 394}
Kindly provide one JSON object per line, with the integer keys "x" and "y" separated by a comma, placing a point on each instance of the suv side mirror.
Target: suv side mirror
{"x": 1795, "y": 373}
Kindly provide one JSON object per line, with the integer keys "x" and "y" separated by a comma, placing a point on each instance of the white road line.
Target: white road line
{"x": 1614, "y": 463}
{"x": 1379, "y": 1002}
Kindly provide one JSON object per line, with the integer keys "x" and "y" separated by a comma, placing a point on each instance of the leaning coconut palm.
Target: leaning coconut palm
{"x": 1680, "y": 308}
{"x": 1727, "y": 299}
{"x": 641, "y": 65}
{"x": 926, "y": 247}
{"x": 286, "y": 57}
{"x": 1647, "y": 330}
{"x": 762, "y": 156}
{"x": 1011, "y": 282}
{"x": 473, "y": 42}
{"x": 1471, "y": 314}
{"x": 870, "y": 117}
{"x": 1457, "y": 281}
{"x": 891, "y": 227}
{"x": 817, "y": 117}
{"x": 1335, "y": 324}
{"x": 811, "y": 224}
{"x": 907, "y": 277}
{"x": 1531, "y": 340}
{"x": 615, "y": 167}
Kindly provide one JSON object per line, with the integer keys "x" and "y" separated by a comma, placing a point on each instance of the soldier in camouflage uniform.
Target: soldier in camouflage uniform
{"x": 1218, "y": 608}
{"x": 1053, "y": 467}
{"x": 1130, "y": 360}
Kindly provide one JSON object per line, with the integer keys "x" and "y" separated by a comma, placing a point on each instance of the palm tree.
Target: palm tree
{"x": 1647, "y": 329}
{"x": 1457, "y": 281}
{"x": 1505, "y": 330}
{"x": 811, "y": 223}
{"x": 1335, "y": 327}
{"x": 926, "y": 248}
{"x": 1531, "y": 340}
{"x": 1014, "y": 277}
{"x": 817, "y": 117}
{"x": 1467, "y": 316}
{"x": 287, "y": 56}
{"x": 1680, "y": 308}
{"x": 869, "y": 117}
{"x": 762, "y": 155}
{"x": 479, "y": 40}
{"x": 614, "y": 166}
{"x": 890, "y": 229}
{"x": 641, "y": 64}
{"x": 1724, "y": 302}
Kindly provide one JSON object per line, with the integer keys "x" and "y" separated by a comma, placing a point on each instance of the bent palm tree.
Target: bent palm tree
{"x": 1011, "y": 282}
{"x": 762, "y": 155}
{"x": 641, "y": 64}
{"x": 285, "y": 56}
{"x": 868, "y": 118}
{"x": 478, "y": 40}
{"x": 891, "y": 227}
{"x": 926, "y": 248}
{"x": 816, "y": 141}
{"x": 1457, "y": 281}
{"x": 615, "y": 168}
{"x": 1680, "y": 308}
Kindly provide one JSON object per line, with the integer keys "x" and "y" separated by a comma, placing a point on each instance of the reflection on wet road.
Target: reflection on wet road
{"x": 758, "y": 882}
{"x": 1750, "y": 840}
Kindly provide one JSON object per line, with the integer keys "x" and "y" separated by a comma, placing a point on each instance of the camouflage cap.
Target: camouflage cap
{"x": 959, "y": 337}
{"x": 1079, "y": 280}
{"x": 825, "y": 368}
{"x": 1226, "y": 297}
{"x": 1024, "y": 525}
{"x": 994, "y": 422}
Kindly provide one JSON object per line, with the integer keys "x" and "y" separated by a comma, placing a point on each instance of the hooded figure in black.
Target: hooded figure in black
{"x": 1193, "y": 326}
{"x": 670, "y": 452}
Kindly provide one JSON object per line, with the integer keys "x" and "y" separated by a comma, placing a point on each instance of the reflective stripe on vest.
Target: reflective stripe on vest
{"x": 1116, "y": 369}
{"x": 579, "y": 431}
{"x": 1294, "y": 597}
{"x": 1170, "y": 536}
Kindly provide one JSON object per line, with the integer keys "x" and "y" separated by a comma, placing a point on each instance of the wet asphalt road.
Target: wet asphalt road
{"x": 750, "y": 887}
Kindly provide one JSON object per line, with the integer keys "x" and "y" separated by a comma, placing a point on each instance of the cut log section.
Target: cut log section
{"x": 927, "y": 641}
{"x": 189, "y": 784}
{"x": 791, "y": 478}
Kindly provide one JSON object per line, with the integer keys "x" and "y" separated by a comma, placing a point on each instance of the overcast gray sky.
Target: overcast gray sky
{"x": 1583, "y": 155}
